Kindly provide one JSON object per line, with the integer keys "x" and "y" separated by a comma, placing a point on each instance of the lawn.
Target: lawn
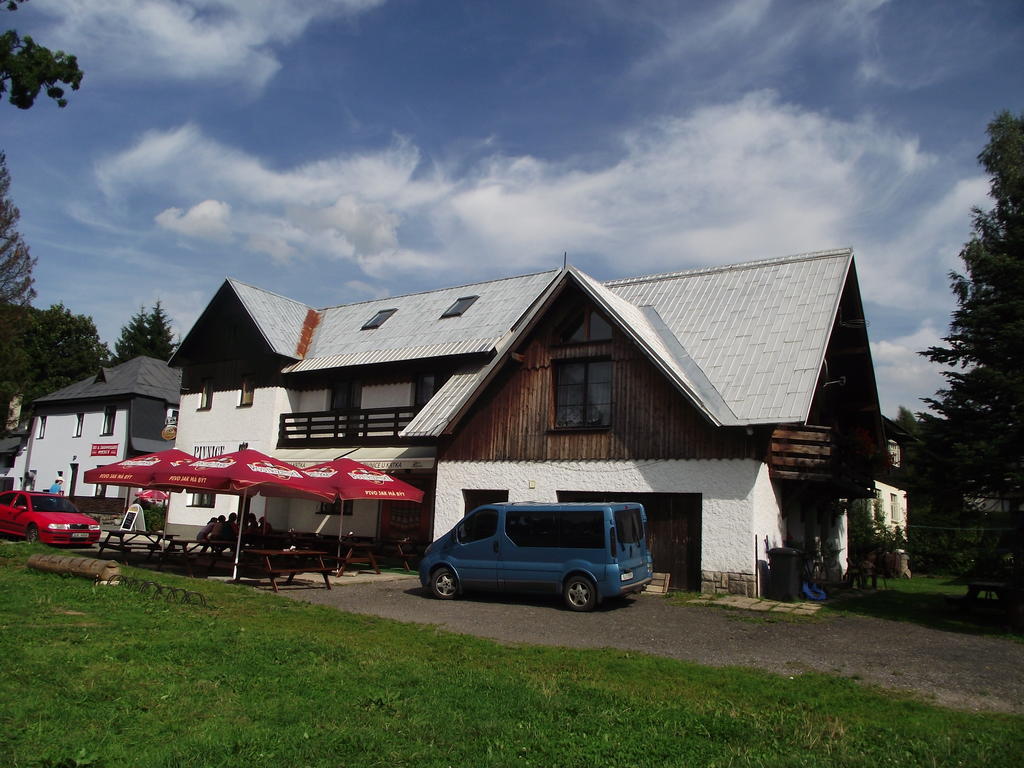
{"x": 922, "y": 600}
{"x": 104, "y": 676}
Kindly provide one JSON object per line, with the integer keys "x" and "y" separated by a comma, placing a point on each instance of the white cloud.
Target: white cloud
{"x": 209, "y": 220}
{"x": 226, "y": 40}
{"x": 903, "y": 375}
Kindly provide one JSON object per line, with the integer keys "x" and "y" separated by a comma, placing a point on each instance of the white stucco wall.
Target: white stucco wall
{"x": 894, "y": 509}
{"x": 737, "y": 498}
{"x": 58, "y": 448}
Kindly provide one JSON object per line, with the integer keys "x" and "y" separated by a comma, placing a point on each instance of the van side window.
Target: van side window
{"x": 482, "y": 525}
{"x": 629, "y": 526}
{"x": 582, "y": 530}
{"x": 531, "y": 528}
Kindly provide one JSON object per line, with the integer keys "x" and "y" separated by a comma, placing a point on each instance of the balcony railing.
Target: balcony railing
{"x": 812, "y": 454}
{"x": 364, "y": 425}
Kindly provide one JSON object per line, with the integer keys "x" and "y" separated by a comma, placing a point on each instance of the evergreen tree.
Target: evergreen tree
{"x": 979, "y": 430}
{"x": 16, "y": 292}
{"x": 976, "y": 440}
{"x": 147, "y": 333}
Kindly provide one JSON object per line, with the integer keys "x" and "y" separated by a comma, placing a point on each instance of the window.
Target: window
{"x": 247, "y": 391}
{"x": 345, "y": 395}
{"x": 482, "y": 525}
{"x": 584, "y": 394}
{"x": 531, "y": 528}
{"x": 894, "y": 507}
{"x": 587, "y": 326}
{"x": 42, "y": 428}
{"x": 79, "y": 423}
{"x": 460, "y": 306}
{"x": 581, "y": 530}
{"x": 336, "y": 507}
{"x": 378, "y": 320}
{"x": 206, "y": 395}
{"x": 427, "y": 385}
{"x": 201, "y": 500}
{"x": 109, "y": 417}
{"x": 99, "y": 490}
{"x": 894, "y": 454}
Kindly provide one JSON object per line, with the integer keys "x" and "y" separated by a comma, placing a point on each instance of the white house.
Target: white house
{"x": 119, "y": 412}
{"x": 737, "y": 403}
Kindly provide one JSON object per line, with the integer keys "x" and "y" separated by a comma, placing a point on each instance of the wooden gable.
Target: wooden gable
{"x": 514, "y": 418}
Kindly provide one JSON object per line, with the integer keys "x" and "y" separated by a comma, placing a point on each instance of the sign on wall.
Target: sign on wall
{"x": 104, "y": 449}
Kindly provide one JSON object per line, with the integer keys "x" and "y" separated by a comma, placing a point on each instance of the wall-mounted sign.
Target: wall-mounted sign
{"x": 104, "y": 449}
{"x": 169, "y": 432}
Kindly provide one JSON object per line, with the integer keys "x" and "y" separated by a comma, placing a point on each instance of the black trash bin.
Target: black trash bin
{"x": 784, "y": 573}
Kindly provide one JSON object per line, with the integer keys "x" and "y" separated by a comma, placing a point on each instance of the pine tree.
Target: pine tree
{"x": 16, "y": 292}
{"x": 147, "y": 333}
{"x": 977, "y": 436}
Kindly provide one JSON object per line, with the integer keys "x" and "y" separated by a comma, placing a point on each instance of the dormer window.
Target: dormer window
{"x": 378, "y": 320}
{"x": 460, "y": 306}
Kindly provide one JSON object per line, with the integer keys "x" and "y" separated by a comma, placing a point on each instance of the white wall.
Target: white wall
{"x": 737, "y": 497}
{"x": 895, "y": 514}
{"x": 58, "y": 448}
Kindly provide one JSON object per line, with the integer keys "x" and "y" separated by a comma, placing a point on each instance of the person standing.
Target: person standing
{"x": 58, "y": 487}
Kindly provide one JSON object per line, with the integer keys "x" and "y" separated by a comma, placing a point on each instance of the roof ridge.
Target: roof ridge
{"x": 809, "y": 256}
{"x": 233, "y": 281}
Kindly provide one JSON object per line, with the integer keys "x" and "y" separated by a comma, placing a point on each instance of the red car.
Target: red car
{"x": 46, "y": 517}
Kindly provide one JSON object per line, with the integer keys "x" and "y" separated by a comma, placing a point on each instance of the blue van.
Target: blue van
{"x": 585, "y": 552}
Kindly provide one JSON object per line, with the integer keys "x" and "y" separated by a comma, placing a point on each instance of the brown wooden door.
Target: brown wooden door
{"x": 673, "y": 530}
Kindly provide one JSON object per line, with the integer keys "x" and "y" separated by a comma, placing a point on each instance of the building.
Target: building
{"x": 737, "y": 403}
{"x": 119, "y": 412}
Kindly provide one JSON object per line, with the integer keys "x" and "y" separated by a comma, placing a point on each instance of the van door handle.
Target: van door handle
{"x": 495, "y": 546}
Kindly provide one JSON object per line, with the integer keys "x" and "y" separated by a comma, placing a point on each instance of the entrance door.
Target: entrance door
{"x": 673, "y": 530}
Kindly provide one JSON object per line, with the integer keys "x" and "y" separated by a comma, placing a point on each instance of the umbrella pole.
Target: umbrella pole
{"x": 238, "y": 544}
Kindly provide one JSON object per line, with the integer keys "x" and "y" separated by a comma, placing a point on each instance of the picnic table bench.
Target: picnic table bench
{"x": 190, "y": 550}
{"x": 356, "y": 552}
{"x": 278, "y": 562}
{"x": 126, "y": 541}
{"x": 979, "y": 592}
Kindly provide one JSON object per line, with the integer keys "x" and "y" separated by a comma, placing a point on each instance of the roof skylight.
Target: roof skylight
{"x": 378, "y": 320}
{"x": 460, "y": 306}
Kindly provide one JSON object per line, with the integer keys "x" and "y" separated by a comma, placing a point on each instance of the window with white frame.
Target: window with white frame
{"x": 201, "y": 500}
{"x": 79, "y": 423}
{"x": 247, "y": 392}
{"x": 109, "y": 417}
{"x": 42, "y": 428}
{"x": 895, "y": 454}
{"x": 206, "y": 395}
{"x": 895, "y": 512}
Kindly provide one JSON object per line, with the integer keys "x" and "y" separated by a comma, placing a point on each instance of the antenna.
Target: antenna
{"x": 565, "y": 258}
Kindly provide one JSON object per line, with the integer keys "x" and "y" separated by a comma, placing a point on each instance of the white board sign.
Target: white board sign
{"x": 134, "y": 519}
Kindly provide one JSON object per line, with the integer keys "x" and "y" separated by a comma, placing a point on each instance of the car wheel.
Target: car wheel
{"x": 580, "y": 594}
{"x": 32, "y": 532}
{"x": 443, "y": 583}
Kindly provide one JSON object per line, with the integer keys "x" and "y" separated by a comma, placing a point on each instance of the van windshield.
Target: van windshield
{"x": 629, "y": 526}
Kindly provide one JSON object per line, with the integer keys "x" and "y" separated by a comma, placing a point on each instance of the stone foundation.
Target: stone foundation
{"x": 728, "y": 583}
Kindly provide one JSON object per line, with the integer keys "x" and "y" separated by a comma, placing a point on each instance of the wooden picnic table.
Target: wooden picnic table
{"x": 126, "y": 541}
{"x": 190, "y": 550}
{"x": 277, "y": 562}
{"x": 980, "y": 591}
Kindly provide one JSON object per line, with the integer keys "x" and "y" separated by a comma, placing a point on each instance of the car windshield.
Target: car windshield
{"x": 52, "y": 504}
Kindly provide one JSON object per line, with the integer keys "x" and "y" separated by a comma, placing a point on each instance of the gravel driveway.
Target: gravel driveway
{"x": 962, "y": 671}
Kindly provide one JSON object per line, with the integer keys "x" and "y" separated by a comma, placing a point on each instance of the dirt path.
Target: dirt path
{"x": 955, "y": 670}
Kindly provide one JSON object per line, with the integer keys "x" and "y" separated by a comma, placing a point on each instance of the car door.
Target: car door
{"x": 474, "y": 550}
{"x": 19, "y": 514}
{"x": 7, "y": 511}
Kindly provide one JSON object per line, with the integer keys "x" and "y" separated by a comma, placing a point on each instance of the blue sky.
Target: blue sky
{"x": 341, "y": 151}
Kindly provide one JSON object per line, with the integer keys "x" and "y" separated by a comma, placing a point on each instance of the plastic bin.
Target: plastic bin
{"x": 784, "y": 565}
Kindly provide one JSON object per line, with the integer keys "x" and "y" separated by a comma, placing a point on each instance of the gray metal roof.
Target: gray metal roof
{"x": 145, "y": 376}
{"x": 417, "y": 330}
{"x": 758, "y": 331}
{"x": 280, "y": 319}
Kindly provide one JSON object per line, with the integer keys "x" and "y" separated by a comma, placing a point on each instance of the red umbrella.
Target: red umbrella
{"x": 137, "y": 472}
{"x": 239, "y": 473}
{"x": 152, "y": 495}
{"x": 348, "y": 479}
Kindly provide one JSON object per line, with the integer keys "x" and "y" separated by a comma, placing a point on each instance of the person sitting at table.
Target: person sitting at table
{"x": 233, "y": 522}
{"x": 206, "y": 530}
{"x": 251, "y": 526}
{"x": 264, "y": 526}
{"x": 221, "y": 533}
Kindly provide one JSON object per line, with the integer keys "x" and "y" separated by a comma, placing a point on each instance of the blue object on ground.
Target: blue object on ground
{"x": 813, "y": 591}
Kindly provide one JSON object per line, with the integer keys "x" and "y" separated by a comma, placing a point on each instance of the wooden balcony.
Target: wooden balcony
{"x": 365, "y": 426}
{"x": 812, "y": 454}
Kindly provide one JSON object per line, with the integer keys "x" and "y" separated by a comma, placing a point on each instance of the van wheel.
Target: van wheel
{"x": 443, "y": 583}
{"x": 580, "y": 594}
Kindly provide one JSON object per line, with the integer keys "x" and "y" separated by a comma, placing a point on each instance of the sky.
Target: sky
{"x": 336, "y": 151}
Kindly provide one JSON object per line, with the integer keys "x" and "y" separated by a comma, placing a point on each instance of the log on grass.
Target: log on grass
{"x": 87, "y": 567}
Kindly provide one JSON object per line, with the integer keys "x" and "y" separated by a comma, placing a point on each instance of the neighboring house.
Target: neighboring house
{"x": 890, "y": 484}
{"x": 117, "y": 413}
{"x": 12, "y": 459}
{"x": 737, "y": 403}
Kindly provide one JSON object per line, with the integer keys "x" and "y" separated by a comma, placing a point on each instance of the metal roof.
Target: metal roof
{"x": 758, "y": 331}
{"x": 144, "y": 376}
{"x": 417, "y": 329}
{"x": 279, "y": 319}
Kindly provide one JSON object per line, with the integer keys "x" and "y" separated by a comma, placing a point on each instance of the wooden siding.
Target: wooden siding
{"x": 513, "y": 420}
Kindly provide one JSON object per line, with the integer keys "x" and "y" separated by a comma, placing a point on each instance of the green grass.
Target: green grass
{"x": 106, "y": 677}
{"x": 922, "y": 600}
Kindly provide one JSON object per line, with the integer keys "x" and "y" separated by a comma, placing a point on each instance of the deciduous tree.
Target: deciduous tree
{"x": 27, "y": 67}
